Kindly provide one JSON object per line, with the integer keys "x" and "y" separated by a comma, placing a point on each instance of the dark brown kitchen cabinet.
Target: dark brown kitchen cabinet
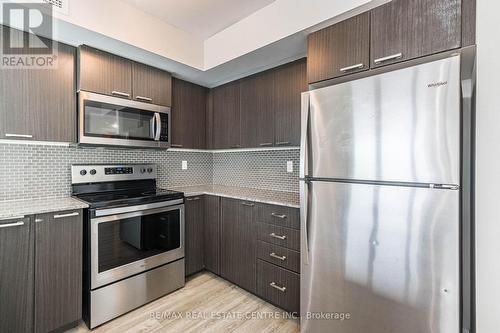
{"x": 58, "y": 270}
{"x": 340, "y": 49}
{"x": 104, "y": 73}
{"x": 194, "y": 222}
{"x": 212, "y": 228}
{"x": 226, "y": 116}
{"x": 407, "y": 29}
{"x": 257, "y": 110}
{"x": 39, "y": 104}
{"x": 151, "y": 85}
{"x": 238, "y": 244}
{"x": 16, "y": 275}
{"x": 289, "y": 82}
{"x": 189, "y": 102}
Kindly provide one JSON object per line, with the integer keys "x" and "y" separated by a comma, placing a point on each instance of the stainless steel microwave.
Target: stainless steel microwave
{"x": 115, "y": 121}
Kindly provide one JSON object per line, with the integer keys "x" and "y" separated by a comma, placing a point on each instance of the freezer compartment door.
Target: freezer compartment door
{"x": 380, "y": 259}
{"x": 401, "y": 126}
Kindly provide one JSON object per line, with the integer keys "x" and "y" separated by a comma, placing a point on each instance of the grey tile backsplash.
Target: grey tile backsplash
{"x": 39, "y": 171}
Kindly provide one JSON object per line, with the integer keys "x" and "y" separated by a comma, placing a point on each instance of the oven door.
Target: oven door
{"x": 108, "y": 120}
{"x": 125, "y": 244}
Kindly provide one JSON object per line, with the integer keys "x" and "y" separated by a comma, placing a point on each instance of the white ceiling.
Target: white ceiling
{"x": 202, "y": 18}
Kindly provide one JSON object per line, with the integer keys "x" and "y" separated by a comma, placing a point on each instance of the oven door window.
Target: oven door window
{"x": 124, "y": 241}
{"x": 111, "y": 121}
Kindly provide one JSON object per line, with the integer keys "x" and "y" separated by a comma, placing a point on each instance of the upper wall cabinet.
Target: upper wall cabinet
{"x": 104, "y": 73}
{"x": 407, "y": 29}
{"x": 340, "y": 49}
{"x": 188, "y": 115}
{"x": 226, "y": 116}
{"x": 109, "y": 74}
{"x": 39, "y": 104}
{"x": 151, "y": 85}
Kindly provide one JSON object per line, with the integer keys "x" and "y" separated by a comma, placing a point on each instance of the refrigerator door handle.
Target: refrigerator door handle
{"x": 304, "y": 232}
{"x": 304, "y": 136}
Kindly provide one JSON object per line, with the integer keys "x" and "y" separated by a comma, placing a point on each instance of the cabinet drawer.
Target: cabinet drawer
{"x": 278, "y": 286}
{"x": 278, "y": 215}
{"x": 278, "y": 255}
{"x": 286, "y": 237}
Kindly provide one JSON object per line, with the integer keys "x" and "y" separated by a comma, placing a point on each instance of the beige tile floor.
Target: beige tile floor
{"x": 206, "y": 304}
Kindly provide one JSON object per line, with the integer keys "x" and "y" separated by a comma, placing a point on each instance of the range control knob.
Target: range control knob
{"x": 143, "y": 170}
{"x": 83, "y": 172}
{"x": 93, "y": 172}
{"x": 150, "y": 170}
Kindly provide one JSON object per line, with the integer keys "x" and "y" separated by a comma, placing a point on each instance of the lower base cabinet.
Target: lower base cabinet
{"x": 279, "y": 286}
{"x": 16, "y": 275}
{"x": 194, "y": 222}
{"x": 211, "y": 239}
{"x": 58, "y": 270}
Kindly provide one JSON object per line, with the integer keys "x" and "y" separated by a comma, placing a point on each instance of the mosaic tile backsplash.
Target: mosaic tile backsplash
{"x": 43, "y": 171}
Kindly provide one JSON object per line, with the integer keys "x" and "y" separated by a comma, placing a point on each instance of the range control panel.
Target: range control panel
{"x": 82, "y": 173}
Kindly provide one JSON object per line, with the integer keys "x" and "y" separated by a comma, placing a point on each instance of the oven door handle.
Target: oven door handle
{"x": 158, "y": 126}
{"x": 139, "y": 209}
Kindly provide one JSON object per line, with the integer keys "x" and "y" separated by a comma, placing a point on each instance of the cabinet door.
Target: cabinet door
{"x": 211, "y": 240}
{"x": 257, "y": 114}
{"x": 16, "y": 276}
{"x": 39, "y": 104}
{"x": 104, "y": 73}
{"x": 238, "y": 243}
{"x": 290, "y": 82}
{"x": 340, "y": 49}
{"x": 189, "y": 103}
{"x": 58, "y": 270}
{"x": 194, "y": 220}
{"x": 151, "y": 85}
{"x": 226, "y": 116}
{"x": 407, "y": 29}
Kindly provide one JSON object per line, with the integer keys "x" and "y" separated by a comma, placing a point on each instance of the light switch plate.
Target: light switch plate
{"x": 289, "y": 166}
{"x": 184, "y": 165}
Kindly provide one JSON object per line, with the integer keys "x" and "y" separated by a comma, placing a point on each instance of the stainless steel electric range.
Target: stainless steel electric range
{"x": 133, "y": 239}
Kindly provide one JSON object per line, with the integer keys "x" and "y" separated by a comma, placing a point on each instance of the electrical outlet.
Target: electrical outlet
{"x": 289, "y": 166}
{"x": 184, "y": 165}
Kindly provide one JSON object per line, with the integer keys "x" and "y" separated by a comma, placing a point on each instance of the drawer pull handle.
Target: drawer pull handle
{"x": 193, "y": 199}
{"x": 277, "y": 236}
{"x": 283, "y": 216}
{"x": 248, "y": 204}
{"x": 274, "y": 255}
{"x": 391, "y": 57}
{"x": 61, "y": 216}
{"x": 282, "y": 143}
{"x": 173, "y": 145}
{"x": 9, "y": 225}
{"x": 121, "y": 94}
{"x": 350, "y": 68}
{"x": 266, "y": 144}
{"x": 275, "y": 286}
{"x": 26, "y": 136}
{"x": 145, "y": 99}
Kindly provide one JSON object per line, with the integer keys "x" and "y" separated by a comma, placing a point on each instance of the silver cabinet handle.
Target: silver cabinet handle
{"x": 275, "y": 286}
{"x": 119, "y": 93}
{"x": 38, "y": 220}
{"x": 391, "y": 57}
{"x": 145, "y": 99}
{"x": 283, "y": 216}
{"x": 61, "y": 216}
{"x": 350, "y": 68}
{"x": 266, "y": 144}
{"x": 236, "y": 146}
{"x": 26, "y": 136}
{"x": 193, "y": 199}
{"x": 282, "y": 143}
{"x": 9, "y": 225}
{"x": 274, "y": 255}
{"x": 277, "y": 236}
{"x": 175, "y": 146}
{"x": 248, "y": 204}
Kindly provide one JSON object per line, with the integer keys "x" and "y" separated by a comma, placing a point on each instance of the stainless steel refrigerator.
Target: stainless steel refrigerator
{"x": 382, "y": 202}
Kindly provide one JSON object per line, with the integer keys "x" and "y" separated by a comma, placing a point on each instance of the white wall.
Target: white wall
{"x": 488, "y": 169}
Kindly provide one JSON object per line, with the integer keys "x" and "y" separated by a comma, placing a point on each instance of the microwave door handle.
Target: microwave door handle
{"x": 158, "y": 126}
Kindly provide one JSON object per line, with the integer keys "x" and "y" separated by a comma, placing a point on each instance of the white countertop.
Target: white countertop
{"x": 290, "y": 199}
{"x": 25, "y": 207}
